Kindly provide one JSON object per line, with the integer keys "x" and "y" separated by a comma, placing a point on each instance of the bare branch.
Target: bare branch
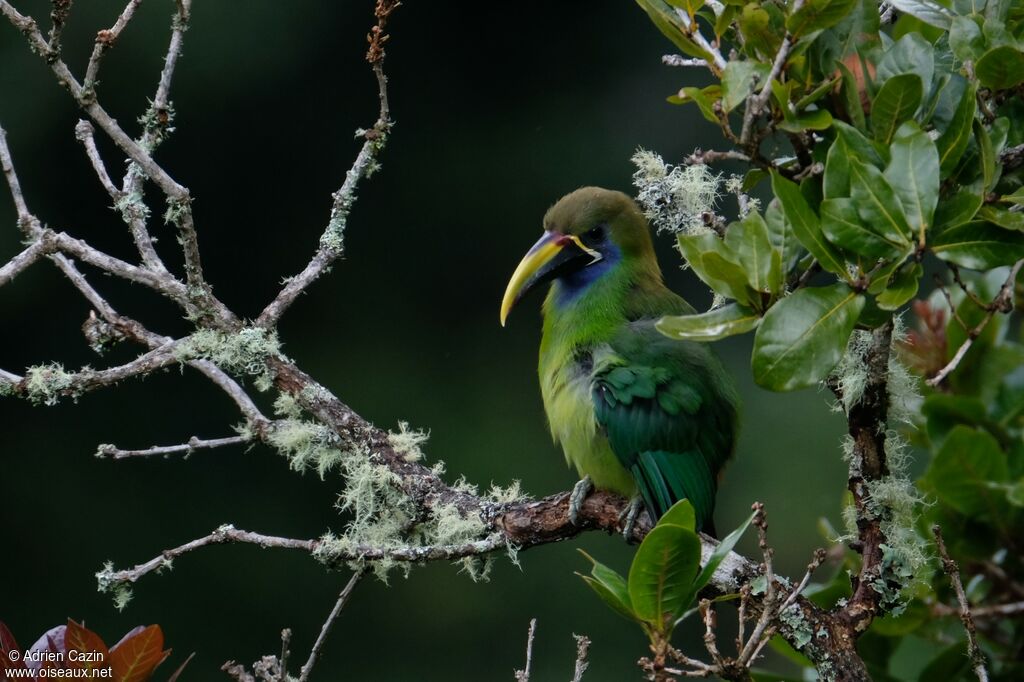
{"x": 105, "y": 40}
{"x": 193, "y": 444}
{"x": 953, "y": 571}
{"x": 693, "y": 30}
{"x": 582, "y": 650}
{"x": 524, "y": 674}
{"x": 343, "y": 598}
{"x": 25, "y": 259}
{"x": 84, "y": 133}
{"x": 374, "y": 139}
{"x": 680, "y": 60}
{"x": 1002, "y": 303}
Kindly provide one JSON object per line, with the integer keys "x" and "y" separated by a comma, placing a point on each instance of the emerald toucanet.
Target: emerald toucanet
{"x": 635, "y": 411}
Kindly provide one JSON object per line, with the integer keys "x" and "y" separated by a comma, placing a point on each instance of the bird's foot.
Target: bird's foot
{"x": 630, "y": 514}
{"x": 583, "y": 487}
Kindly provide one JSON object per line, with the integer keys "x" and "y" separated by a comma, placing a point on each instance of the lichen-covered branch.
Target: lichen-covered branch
{"x": 949, "y": 566}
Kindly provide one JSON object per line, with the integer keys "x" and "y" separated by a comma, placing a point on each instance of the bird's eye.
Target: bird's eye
{"x": 595, "y": 234}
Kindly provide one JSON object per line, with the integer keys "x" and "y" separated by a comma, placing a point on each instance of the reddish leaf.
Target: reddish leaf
{"x": 135, "y": 658}
{"x": 52, "y": 642}
{"x": 91, "y": 653}
{"x": 7, "y": 645}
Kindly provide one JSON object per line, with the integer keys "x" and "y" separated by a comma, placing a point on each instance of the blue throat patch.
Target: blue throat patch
{"x": 569, "y": 287}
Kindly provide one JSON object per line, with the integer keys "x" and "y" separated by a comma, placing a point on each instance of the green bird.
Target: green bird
{"x": 636, "y": 412}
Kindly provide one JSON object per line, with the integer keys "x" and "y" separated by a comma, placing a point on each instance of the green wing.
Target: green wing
{"x": 669, "y": 411}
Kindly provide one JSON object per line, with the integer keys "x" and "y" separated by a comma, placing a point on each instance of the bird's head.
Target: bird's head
{"x": 587, "y": 234}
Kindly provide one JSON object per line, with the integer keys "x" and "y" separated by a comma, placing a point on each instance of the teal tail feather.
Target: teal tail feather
{"x": 664, "y": 478}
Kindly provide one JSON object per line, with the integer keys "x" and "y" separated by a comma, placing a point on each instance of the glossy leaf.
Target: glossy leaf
{"x": 803, "y": 336}
{"x": 965, "y": 39}
{"x": 749, "y": 240}
{"x": 710, "y": 326}
{"x": 668, "y": 22}
{"x": 911, "y": 54}
{"x": 135, "y": 658}
{"x": 662, "y": 573}
{"x": 609, "y": 586}
{"x": 849, "y": 144}
{"x": 780, "y": 234}
{"x": 738, "y": 79}
{"x": 962, "y": 470}
{"x": 957, "y": 209}
{"x": 954, "y": 139}
{"x": 731, "y": 278}
{"x": 719, "y": 554}
{"x": 913, "y": 173}
{"x": 877, "y": 203}
{"x": 896, "y": 101}
{"x": 694, "y": 246}
{"x": 979, "y": 246}
{"x": 815, "y": 15}
{"x": 1010, "y": 220}
{"x": 844, "y": 228}
{"x": 7, "y": 645}
{"x": 901, "y": 288}
{"x": 928, "y": 11}
{"x": 680, "y": 514}
{"x": 1001, "y": 67}
{"x": 702, "y": 98}
{"x": 806, "y": 226}
{"x": 987, "y": 155}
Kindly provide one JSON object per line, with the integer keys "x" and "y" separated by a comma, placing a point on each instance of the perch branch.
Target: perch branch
{"x": 1002, "y": 303}
{"x": 524, "y": 674}
{"x": 193, "y": 444}
{"x": 105, "y": 40}
{"x": 343, "y": 598}
{"x": 953, "y": 571}
{"x": 582, "y": 650}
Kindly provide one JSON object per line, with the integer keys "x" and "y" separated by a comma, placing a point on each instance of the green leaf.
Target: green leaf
{"x": 780, "y": 233}
{"x": 738, "y": 79}
{"x": 805, "y": 225}
{"x": 668, "y": 22}
{"x": 713, "y": 325}
{"x": 609, "y": 586}
{"x": 953, "y": 141}
{"x": 819, "y": 119}
{"x": 662, "y": 573}
{"x": 1010, "y": 220}
{"x": 928, "y": 11}
{"x": 849, "y": 144}
{"x": 731, "y": 278}
{"x": 965, "y": 39}
{"x": 987, "y": 153}
{"x": 1015, "y": 494}
{"x": 756, "y": 26}
{"x": 902, "y": 287}
{"x": 844, "y": 228}
{"x": 896, "y": 101}
{"x": 803, "y": 336}
{"x": 1001, "y": 67}
{"x": 963, "y": 468}
{"x": 815, "y": 15}
{"x": 749, "y": 240}
{"x": 957, "y": 209}
{"x": 680, "y": 514}
{"x": 1016, "y": 197}
{"x": 704, "y": 100}
{"x": 851, "y": 97}
{"x": 719, "y": 554}
{"x": 913, "y": 173}
{"x": 876, "y": 202}
{"x": 695, "y": 246}
{"x": 910, "y": 54}
{"x": 690, "y": 6}
{"x": 979, "y": 246}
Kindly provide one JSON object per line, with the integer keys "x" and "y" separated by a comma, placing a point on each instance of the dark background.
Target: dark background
{"x": 501, "y": 109}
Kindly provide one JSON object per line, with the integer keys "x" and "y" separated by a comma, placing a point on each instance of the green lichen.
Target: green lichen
{"x": 674, "y": 198}
{"x": 109, "y": 583}
{"x": 800, "y": 629}
{"x": 408, "y": 442}
{"x": 6, "y": 388}
{"x": 306, "y": 445}
{"x": 177, "y": 209}
{"x": 132, "y": 207}
{"x": 241, "y": 353}
{"x": 46, "y": 384}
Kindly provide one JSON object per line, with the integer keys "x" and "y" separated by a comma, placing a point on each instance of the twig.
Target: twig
{"x": 582, "y": 650}
{"x": 343, "y": 598}
{"x": 953, "y": 571}
{"x": 1003, "y": 303}
{"x": 756, "y": 102}
{"x": 286, "y": 640}
{"x": 105, "y": 40}
{"x": 991, "y": 611}
{"x": 107, "y": 450}
{"x": 374, "y": 139}
{"x": 768, "y": 613}
{"x": 680, "y": 60}
{"x": 524, "y": 674}
{"x": 25, "y": 259}
{"x": 693, "y": 31}
{"x": 58, "y": 17}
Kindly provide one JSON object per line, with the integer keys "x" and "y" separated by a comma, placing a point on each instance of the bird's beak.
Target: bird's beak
{"x": 553, "y": 255}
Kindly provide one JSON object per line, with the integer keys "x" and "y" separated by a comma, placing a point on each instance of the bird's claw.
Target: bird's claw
{"x": 579, "y": 493}
{"x": 630, "y": 514}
